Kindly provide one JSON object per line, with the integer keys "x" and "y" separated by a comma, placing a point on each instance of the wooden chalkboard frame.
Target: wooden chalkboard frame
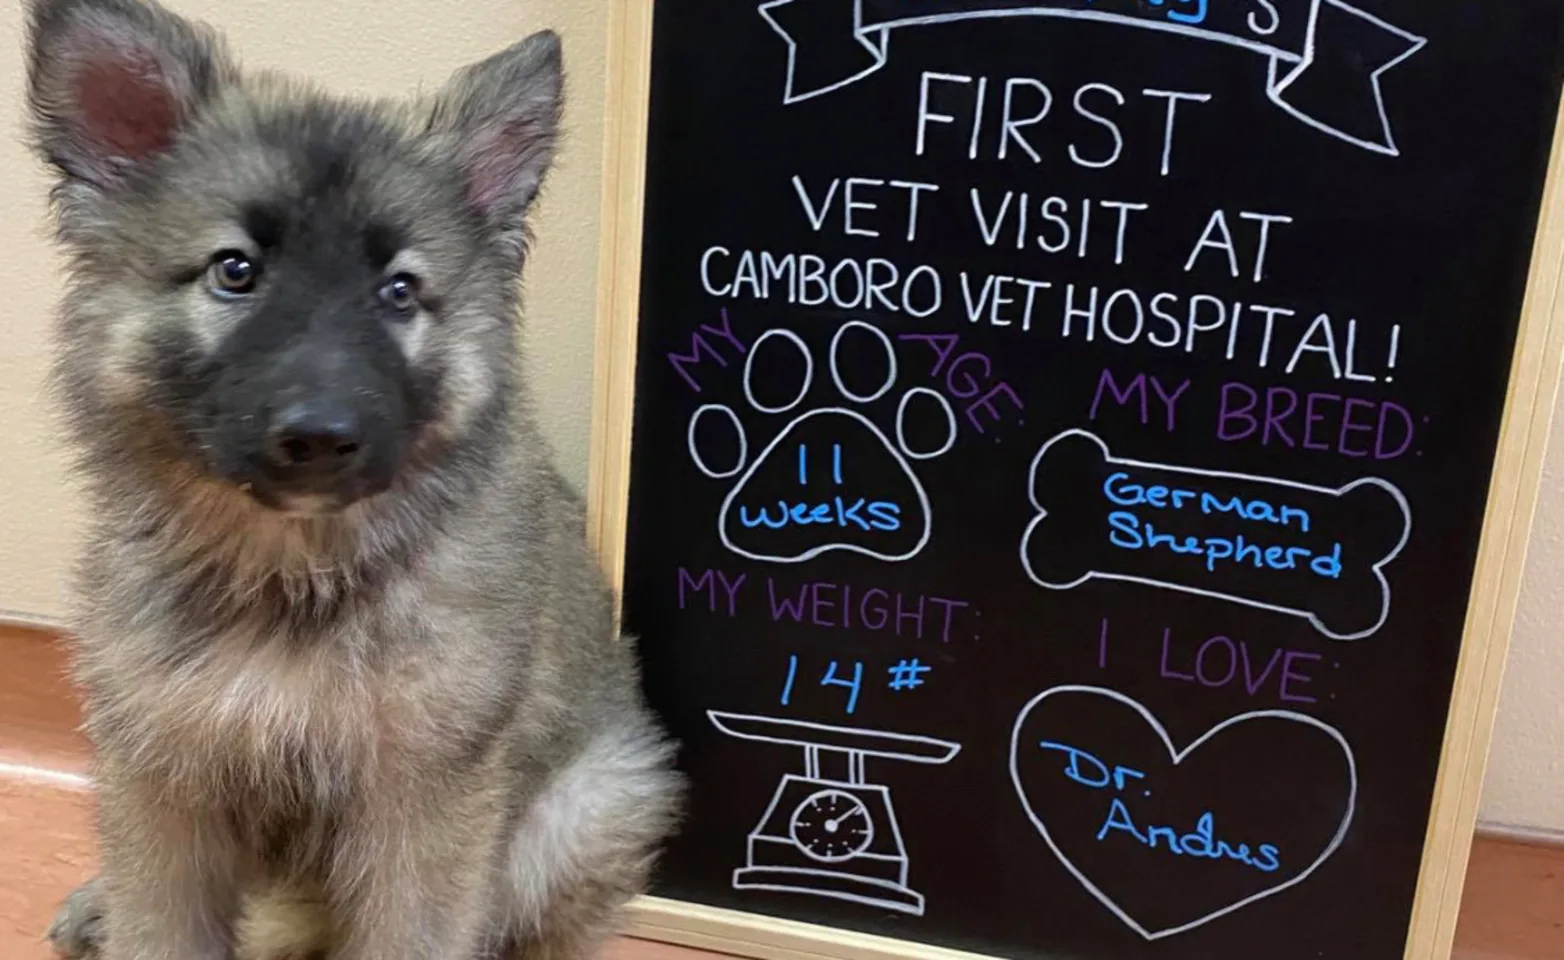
{"x": 1534, "y": 384}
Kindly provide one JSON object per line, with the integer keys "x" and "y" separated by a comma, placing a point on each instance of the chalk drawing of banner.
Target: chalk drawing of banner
{"x": 1338, "y": 37}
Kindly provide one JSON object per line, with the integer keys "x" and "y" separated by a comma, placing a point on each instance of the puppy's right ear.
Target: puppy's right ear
{"x": 112, "y": 82}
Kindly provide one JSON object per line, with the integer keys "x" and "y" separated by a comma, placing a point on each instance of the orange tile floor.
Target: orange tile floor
{"x": 1514, "y": 906}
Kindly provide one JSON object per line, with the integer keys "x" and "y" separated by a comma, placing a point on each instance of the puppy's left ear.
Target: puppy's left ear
{"x": 110, "y": 84}
{"x": 503, "y": 114}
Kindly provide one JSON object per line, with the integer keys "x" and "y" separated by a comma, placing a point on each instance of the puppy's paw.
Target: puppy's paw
{"x": 77, "y": 929}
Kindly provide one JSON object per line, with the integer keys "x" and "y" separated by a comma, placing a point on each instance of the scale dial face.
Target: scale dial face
{"x": 831, "y": 825}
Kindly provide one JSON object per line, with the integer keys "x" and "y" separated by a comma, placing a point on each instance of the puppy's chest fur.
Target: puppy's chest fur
{"x": 270, "y": 724}
{"x": 275, "y": 715}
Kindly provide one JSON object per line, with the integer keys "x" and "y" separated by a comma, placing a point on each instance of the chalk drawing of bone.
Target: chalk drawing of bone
{"x": 1192, "y": 578}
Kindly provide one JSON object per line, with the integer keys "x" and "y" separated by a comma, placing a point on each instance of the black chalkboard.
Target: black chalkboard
{"x": 1062, "y": 434}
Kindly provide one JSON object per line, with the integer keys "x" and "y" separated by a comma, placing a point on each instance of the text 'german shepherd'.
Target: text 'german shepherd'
{"x": 350, "y": 669}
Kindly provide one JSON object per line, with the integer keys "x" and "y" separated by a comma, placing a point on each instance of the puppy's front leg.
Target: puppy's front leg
{"x": 423, "y": 883}
{"x": 168, "y": 879}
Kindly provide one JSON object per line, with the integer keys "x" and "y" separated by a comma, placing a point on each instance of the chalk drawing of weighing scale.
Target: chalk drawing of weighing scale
{"x": 829, "y": 832}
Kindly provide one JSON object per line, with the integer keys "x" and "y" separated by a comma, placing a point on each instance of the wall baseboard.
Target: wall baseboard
{"x": 30, "y": 621}
{"x": 1520, "y": 833}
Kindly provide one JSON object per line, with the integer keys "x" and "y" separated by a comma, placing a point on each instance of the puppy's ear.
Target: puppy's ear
{"x": 502, "y": 114}
{"x": 111, "y": 83}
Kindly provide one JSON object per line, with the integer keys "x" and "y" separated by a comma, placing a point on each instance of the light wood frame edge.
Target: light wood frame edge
{"x": 629, "y": 52}
{"x": 1496, "y": 584}
{"x": 744, "y": 934}
{"x": 1534, "y": 385}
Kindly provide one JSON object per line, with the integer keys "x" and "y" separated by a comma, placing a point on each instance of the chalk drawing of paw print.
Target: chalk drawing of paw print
{"x": 831, "y": 479}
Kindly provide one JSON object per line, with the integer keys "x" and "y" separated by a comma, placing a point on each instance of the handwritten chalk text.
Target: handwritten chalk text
{"x": 901, "y": 676}
{"x": 842, "y": 606}
{"x": 1087, "y": 770}
{"x": 1220, "y": 662}
{"x": 1327, "y": 422}
{"x": 1196, "y": 324}
{"x": 1094, "y": 139}
{"x": 969, "y": 378}
{"x": 825, "y": 605}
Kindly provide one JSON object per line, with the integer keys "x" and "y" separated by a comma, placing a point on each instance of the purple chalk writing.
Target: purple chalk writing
{"x": 842, "y": 606}
{"x": 969, "y": 377}
{"x": 1219, "y": 662}
{"x": 1136, "y": 392}
{"x": 712, "y": 589}
{"x": 1324, "y": 422}
{"x": 711, "y": 341}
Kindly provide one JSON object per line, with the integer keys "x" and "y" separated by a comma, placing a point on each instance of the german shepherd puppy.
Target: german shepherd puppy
{"x": 349, "y": 667}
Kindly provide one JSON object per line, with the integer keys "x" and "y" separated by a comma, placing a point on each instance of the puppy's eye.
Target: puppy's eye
{"x": 232, "y": 273}
{"x": 401, "y": 292}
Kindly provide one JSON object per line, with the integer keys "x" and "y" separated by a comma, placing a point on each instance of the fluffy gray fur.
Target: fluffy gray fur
{"x": 392, "y": 720}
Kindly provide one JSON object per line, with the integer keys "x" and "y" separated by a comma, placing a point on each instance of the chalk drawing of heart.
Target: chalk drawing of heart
{"x": 1288, "y": 778}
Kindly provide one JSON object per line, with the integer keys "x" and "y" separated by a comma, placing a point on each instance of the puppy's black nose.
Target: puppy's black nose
{"x": 315, "y": 439}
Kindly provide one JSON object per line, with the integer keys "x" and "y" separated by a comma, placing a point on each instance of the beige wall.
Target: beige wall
{"x": 395, "y": 45}
{"x": 1525, "y": 784}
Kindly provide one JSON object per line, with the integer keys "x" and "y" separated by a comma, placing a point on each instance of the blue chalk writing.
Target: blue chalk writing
{"x": 1116, "y": 777}
{"x": 882, "y": 515}
{"x": 792, "y": 672}
{"x": 1197, "y": 15}
{"x": 1201, "y": 842}
{"x": 842, "y": 512}
{"x": 803, "y": 464}
{"x": 1118, "y": 489}
{"x": 907, "y": 674}
{"x": 1130, "y": 532}
{"x": 1180, "y": 16}
{"x": 832, "y": 680}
